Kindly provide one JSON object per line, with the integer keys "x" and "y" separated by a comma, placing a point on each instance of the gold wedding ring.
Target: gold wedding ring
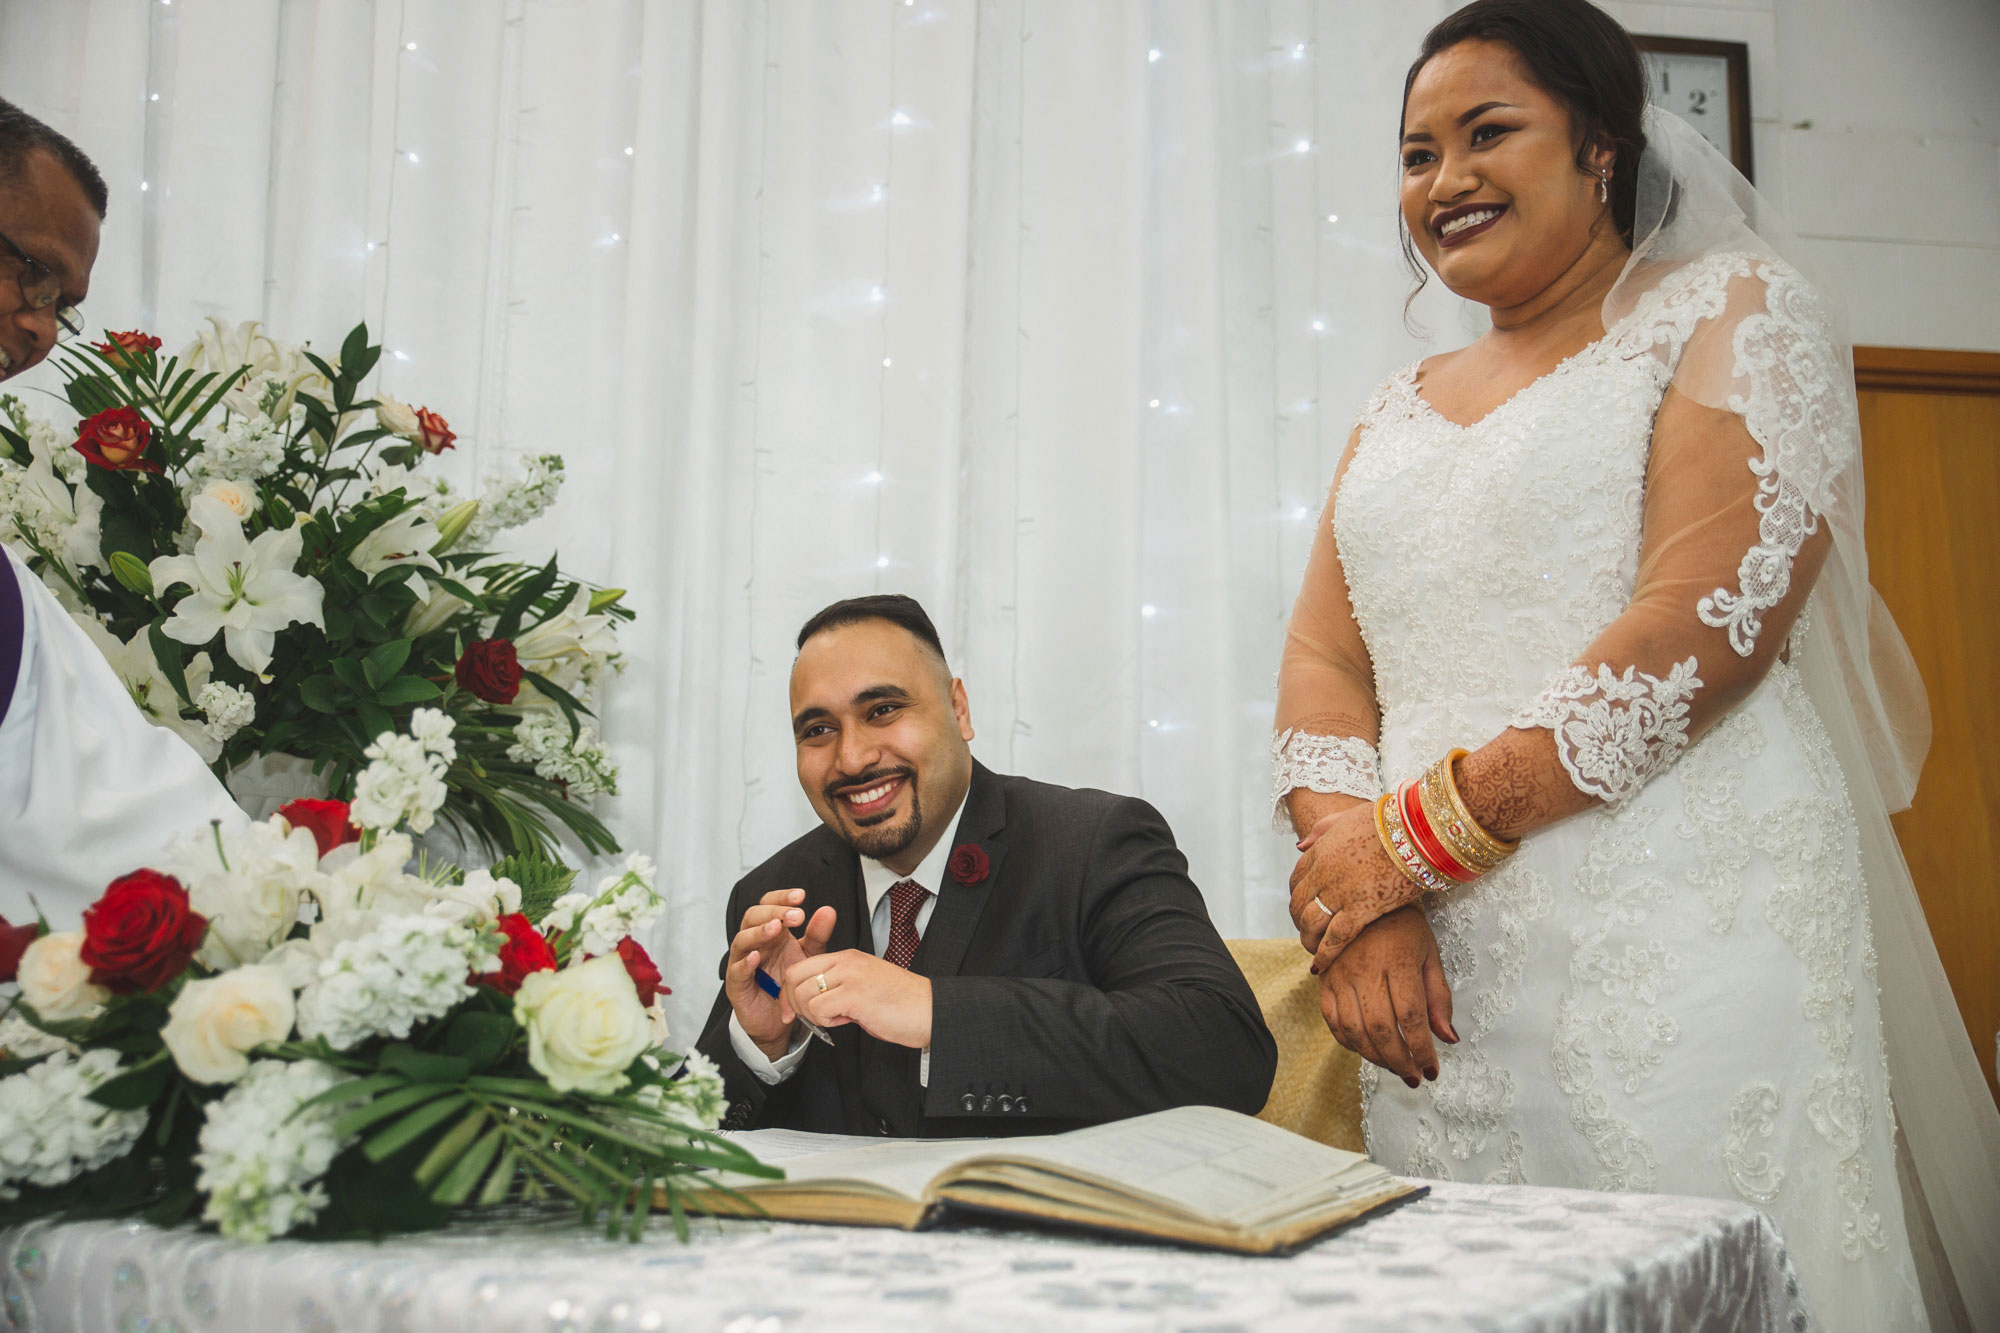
{"x": 821, "y": 979}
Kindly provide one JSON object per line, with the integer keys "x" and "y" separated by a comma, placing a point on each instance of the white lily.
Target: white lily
{"x": 404, "y": 540}
{"x": 139, "y": 670}
{"x": 570, "y": 649}
{"x": 247, "y": 590}
{"x": 41, "y": 506}
{"x": 441, "y": 607}
{"x": 261, "y": 358}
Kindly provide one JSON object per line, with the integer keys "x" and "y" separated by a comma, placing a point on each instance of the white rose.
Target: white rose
{"x": 397, "y": 417}
{"x": 238, "y": 497}
{"x": 214, "y": 1024}
{"x": 584, "y": 1025}
{"x": 57, "y": 982}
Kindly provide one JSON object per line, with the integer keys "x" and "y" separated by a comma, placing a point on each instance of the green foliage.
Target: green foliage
{"x": 541, "y": 881}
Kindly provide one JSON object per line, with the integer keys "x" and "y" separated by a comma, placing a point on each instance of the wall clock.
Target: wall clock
{"x": 1705, "y": 83}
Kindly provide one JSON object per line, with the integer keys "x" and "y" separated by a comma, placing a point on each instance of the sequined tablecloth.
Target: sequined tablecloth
{"x": 1481, "y": 1257}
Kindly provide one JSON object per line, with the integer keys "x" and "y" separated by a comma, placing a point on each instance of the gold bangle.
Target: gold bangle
{"x": 1476, "y": 853}
{"x": 1463, "y": 823}
{"x": 1396, "y": 841}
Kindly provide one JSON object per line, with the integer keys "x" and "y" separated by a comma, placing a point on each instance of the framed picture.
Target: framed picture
{"x": 1707, "y": 84}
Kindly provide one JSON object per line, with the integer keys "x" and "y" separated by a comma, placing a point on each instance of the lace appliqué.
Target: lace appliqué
{"x": 1613, "y": 732}
{"x": 1335, "y": 765}
{"x": 1797, "y": 409}
{"x": 1753, "y": 1115}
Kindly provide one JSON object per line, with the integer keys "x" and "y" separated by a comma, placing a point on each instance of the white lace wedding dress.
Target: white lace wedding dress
{"x": 1674, "y": 991}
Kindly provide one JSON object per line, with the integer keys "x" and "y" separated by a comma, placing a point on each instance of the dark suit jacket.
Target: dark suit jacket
{"x": 1079, "y": 982}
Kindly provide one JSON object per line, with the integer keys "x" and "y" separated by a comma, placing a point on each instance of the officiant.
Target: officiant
{"x": 89, "y": 789}
{"x": 986, "y": 954}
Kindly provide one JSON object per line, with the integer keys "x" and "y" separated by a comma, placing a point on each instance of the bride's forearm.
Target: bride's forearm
{"x": 1515, "y": 784}
{"x": 1306, "y": 807}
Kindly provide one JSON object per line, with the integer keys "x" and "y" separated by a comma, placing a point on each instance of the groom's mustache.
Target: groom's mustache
{"x": 873, "y": 777}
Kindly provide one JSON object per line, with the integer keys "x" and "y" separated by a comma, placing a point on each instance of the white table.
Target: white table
{"x": 1469, "y": 1257}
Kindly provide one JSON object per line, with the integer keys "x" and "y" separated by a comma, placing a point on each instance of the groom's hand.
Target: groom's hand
{"x": 1385, "y": 995}
{"x": 854, "y": 986}
{"x": 765, "y": 941}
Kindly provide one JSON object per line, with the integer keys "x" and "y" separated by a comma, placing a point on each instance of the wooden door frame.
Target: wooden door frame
{"x": 1926, "y": 370}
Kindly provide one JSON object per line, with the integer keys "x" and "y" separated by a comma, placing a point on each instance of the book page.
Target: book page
{"x": 775, "y": 1147}
{"x": 1200, "y": 1160}
{"x": 899, "y": 1166}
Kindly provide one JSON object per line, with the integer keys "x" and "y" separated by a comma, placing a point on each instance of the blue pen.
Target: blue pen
{"x": 770, "y": 987}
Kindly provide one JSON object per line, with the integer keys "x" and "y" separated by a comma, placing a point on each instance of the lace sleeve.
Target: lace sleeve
{"x": 1323, "y": 739}
{"x": 1730, "y": 540}
{"x": 1333, "y": 765}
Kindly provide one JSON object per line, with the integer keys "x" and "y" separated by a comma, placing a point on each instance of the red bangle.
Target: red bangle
{"x": 1428, "y": 843}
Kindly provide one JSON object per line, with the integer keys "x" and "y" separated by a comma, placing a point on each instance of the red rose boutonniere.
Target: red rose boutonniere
{"x": 968, "y": 864}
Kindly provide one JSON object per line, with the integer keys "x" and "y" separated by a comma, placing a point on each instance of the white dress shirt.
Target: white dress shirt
{"x": 876, "y": 881}
{"x": 89, "y": 789}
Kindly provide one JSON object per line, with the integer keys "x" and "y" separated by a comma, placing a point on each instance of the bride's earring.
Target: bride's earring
{"x": 1604, "y": 187}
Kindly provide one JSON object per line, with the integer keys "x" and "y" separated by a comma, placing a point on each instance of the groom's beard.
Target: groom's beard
{"x": 878, "y": 841}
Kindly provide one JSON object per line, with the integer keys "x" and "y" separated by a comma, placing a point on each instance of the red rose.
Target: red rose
{"x": 432, "y": 433}
{"x": 968, "y": 864}
{"x": 141, "y": 933}
{"x": 116, "y": 438}
{"x": 640, "y": 967}
{"x": 490, "y": 669}
{"x": 14, "y": 941}
{"x": 125, "y": 349}
{"x": 329, "y": 821}
{"x": 525, "y": 951}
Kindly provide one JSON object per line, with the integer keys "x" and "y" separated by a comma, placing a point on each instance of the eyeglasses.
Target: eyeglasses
{"x": 41, "y": 288}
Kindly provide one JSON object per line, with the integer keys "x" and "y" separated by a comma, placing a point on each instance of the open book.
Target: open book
{"x": 1198, "y": 1175}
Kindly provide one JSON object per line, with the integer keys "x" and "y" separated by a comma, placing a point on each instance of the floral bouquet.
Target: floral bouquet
{"x": 285, "y": 1028}
{"x": 263, "y": 557}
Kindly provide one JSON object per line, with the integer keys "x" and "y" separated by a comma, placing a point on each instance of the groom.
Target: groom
{"x": 988, "y": 955}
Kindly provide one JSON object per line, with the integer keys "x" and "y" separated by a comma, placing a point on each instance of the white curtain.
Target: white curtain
{"x": 1052, "y": 314}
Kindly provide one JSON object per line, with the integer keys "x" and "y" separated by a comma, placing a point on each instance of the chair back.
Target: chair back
{"x": 1317, "y": 1091}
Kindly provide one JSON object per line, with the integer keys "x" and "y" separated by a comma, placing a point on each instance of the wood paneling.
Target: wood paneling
{"x": 1932, "y": 453}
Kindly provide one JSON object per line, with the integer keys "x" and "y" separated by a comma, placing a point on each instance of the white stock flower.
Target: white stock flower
{"x": 404, "y": 781}
{"x": 215, "y": 1022}
{"x": 360, "y": 888}
{"x": 227, "y": 708}
{"x": 139, "y": 671}
{"x": 50, "y": 1130}
{"x": 570, "y": 649}
{"x": 408, "y": 968}
{"x": 247, "y": 448}
{"x": 262, "y": 1156}
{"x": 22, "y": 1040}
{"x": 582, "y": 764}
{"x": 624, "y": 904}
{"x": 248, "y": 883}
{"x": 404, "y": 540}
{"x": 479, "y": 900}
{"x": 56, "y": 982}
{"x": 516, "y": 501}
{"x": 695, "y": 1098}
{"x": 584, "y": 1025}
{"x": 246, "y": 590}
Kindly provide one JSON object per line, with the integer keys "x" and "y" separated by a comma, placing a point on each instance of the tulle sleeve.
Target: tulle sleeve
{"x": 1327, "y": 722}
{"x": 1753, "y": 429}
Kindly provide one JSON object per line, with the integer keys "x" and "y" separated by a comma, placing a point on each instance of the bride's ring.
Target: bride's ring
{"x": 821, "y": 979}
{"x": 1321, "y": 906}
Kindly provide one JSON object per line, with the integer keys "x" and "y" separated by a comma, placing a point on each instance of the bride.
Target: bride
{"x": 1590, "y": 720}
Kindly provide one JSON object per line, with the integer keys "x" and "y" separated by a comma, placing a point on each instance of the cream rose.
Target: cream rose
{"x": 238, "y": 497}
{"x": 396, "y": 417}
{"x": 213, "y": 1025}
{"x": 57, "y": 982}
{"x": 584, "y": 1025}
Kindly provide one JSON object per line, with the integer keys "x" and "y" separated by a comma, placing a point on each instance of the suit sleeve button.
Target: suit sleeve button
{"x": 969, "y": 1102}
{"x": 1021, "y": 1104}
{"x": 986, "y": 1106}
{"x": 1006, "y": 1102}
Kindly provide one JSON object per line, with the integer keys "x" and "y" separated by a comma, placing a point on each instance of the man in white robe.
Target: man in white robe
{"x": 89, "y": 789}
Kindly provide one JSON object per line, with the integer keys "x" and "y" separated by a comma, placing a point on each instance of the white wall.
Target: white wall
{"x": 1877, "y": 131}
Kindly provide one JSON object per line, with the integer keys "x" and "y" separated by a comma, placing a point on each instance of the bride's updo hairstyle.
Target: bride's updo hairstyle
{"x": 1577, "y": 54}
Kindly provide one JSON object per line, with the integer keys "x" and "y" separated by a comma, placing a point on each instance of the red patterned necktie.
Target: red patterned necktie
{"x": 906, "y": 899}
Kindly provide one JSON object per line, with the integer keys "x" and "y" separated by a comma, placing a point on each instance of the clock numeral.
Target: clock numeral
{"x": 1697, "y": 103}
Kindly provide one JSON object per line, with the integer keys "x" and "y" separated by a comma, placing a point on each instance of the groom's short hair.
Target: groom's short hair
{"x": 22, "y": 136}
{"x": 893, "y": 607}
